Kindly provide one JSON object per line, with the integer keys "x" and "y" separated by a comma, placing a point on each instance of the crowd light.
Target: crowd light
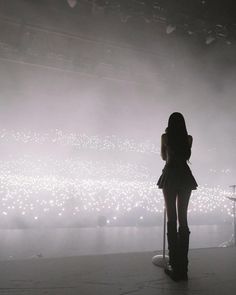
{"x": 74, "y": 187}
{"x": 78, "y": 140}
{"x": 40, "y": 188}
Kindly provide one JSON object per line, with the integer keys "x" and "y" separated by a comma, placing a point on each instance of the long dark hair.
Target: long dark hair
{"x": 177, "y": 136}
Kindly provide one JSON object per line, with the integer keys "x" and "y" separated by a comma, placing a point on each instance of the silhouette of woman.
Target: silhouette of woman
{"x": 177, "y": 183}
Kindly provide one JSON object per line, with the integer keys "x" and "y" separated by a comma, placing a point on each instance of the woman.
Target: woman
{"x": 177, "y": 183}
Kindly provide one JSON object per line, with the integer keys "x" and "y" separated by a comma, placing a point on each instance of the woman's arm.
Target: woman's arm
{"x": 190, "y": 141}
{"x": 163, "y": 147}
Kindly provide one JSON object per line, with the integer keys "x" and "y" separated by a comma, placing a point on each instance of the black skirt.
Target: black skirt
{"x": 177, "y": 175}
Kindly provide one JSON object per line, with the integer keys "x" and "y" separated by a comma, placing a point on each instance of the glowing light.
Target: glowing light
{"x": 37, "y": 188}
{"x": 72, "y": 3}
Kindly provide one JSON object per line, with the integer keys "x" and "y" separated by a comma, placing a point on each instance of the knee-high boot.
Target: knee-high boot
{"x": 183, "y": 236}
{"x": 172, "y": 269}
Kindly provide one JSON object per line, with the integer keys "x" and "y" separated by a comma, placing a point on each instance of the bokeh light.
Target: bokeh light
{"x": 73, "y": 190}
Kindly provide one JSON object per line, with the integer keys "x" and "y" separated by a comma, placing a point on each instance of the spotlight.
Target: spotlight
{"x": 72, "y": 3}
{"x": 209, "y": 39}
{"x": 170, "y": 29}
{"x": 125, "y": 18}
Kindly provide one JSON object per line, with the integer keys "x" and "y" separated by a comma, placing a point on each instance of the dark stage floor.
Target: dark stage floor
{"x": 212, "y": 271}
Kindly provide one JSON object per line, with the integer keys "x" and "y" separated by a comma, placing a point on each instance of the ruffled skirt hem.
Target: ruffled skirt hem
{"x": 177, "y": 177}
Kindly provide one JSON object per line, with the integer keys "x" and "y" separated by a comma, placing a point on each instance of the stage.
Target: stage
{"x": 212, "y": 271}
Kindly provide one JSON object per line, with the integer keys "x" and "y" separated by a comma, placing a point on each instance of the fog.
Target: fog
{"x": 82, "y": 115}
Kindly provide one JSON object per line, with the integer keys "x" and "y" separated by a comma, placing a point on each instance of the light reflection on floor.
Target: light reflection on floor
{"x": 37, "y": 243}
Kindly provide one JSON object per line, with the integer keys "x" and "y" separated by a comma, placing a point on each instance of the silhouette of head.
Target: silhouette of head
{"x": 177, "y": 123}
{"x": 178, "y": 136}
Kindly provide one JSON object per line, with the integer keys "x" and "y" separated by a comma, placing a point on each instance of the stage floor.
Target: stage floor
{"x": 212, "y": 271}
{"x": 64, "y": 242}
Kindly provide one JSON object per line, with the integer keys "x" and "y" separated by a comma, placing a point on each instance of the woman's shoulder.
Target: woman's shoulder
{"x": 164, "y": 139}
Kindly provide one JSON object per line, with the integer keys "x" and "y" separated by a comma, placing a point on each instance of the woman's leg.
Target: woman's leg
{"x": 183, "y": 234}
{"x": 182, "y": 205}
{"x": 170, "y": 201}
{"x": 170, "y": 196}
